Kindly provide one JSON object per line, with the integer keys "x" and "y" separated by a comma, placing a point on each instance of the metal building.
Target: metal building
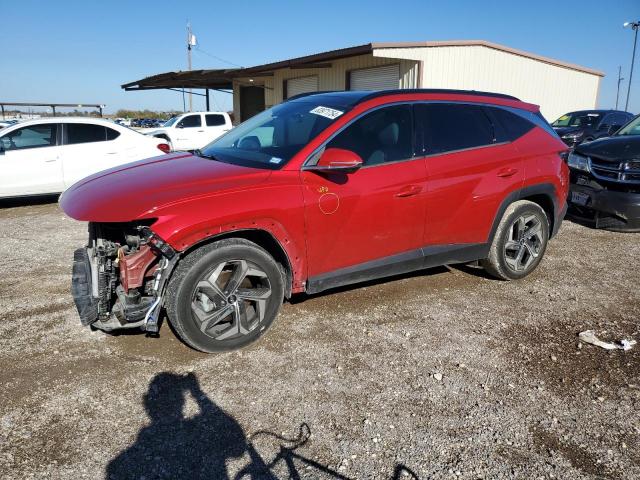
{"x": 558, "y": 87}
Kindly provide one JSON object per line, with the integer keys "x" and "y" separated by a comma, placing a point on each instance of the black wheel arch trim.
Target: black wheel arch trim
{"x": 545, "y": 189}
{"x": 283, "y": 259}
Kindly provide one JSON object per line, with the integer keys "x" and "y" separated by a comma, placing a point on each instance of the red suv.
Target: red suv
{"x": 324, "y": 190}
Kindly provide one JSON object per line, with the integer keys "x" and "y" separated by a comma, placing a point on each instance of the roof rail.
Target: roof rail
{"x": 382, "y": 93}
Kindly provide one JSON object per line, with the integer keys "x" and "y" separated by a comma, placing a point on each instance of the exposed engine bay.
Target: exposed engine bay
{"x": 119, "y": 277}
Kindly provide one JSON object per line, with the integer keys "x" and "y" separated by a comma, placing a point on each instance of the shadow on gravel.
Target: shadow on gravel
{"x": 27, "y": 201}
{"x": 198, "y": 447}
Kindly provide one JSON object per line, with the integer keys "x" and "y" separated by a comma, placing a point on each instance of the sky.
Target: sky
{"x": 82, "y": 51}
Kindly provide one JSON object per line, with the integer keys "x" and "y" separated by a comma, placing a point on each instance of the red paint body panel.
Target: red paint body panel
{"x": 369, "y": 220}
{"x": 326, "y": 222}
{"x": 465, "y": 192}
{"x": 138, "y": 189}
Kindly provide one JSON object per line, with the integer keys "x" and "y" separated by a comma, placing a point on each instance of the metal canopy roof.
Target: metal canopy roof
{"x": 221, "y": 79}
{"x": 214, "y": 79}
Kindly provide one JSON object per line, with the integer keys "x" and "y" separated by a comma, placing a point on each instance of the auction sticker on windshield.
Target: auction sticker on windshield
{"x": 327, "y": 112}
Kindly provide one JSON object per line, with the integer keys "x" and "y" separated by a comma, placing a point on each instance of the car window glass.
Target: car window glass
{"x": 578, "y": 119}
{"x": 631, "y": 128}
{"x": 112, "y": 134}
{"x": 508, "y": 125}
{"x": 449, "y": 127}
{"x": 84, "y": 133}
{"x": 607, "y": 121}
{"x": 271, "y": 138}
{"x": 619, "y": 119}
{"x": 190, "y": 121}
{"x": 382, "y": 136}
{"x": 214, "y": 120}
{"x": 33, "y": 136}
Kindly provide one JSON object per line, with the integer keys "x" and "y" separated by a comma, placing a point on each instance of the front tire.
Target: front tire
{"x": 519, "y": 242}
{"x": 224, "y": 295}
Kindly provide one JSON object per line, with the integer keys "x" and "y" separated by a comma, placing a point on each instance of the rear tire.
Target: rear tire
{"x": 224, "y": 295}
{"x": 519, "y": 242}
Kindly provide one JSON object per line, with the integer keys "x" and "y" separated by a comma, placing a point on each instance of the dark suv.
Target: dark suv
{"x": 605, "y": 180}
{"x": 587, "y": 125}
{"x": 324, "y": 190}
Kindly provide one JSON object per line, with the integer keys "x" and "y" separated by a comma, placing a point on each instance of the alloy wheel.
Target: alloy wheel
{"x": 524, "y": 242}
{"x": 231, "y": 300}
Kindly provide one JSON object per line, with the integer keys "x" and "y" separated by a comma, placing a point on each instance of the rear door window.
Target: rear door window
{"x": 215, "y": 120}
{"x": 442, "y": 127}
{"x": 76, "y": 133}
{"x": 190, "y": 121}
{"x": 619, "y": 119}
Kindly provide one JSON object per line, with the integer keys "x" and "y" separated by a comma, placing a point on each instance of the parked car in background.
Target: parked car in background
{"x": 148, "y": 123}
{"x": 48, "y": 155}
{"x": 587, "y": 125}
{"x": 605, "y": 180}
{"x": 123, "y": 121}
{"x": 318, "y": 192}
{"x": 190, "y": 131}
{"x": 7, "y": 123}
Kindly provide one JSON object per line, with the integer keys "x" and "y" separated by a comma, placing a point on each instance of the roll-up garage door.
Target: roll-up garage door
{"x": 378, "y": 78}
{"x": 296, "y": 86}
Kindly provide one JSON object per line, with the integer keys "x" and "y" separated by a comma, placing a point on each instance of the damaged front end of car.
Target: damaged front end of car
{"x": 119, "y": 277}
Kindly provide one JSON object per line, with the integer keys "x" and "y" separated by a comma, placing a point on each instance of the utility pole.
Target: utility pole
{"x": 191, "y": 41}
{"x": 620, "y": 79}
{"x": 634, "y": 26}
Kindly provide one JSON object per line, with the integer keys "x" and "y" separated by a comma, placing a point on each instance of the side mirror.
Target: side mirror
{"x": 180, "y": 125}
{"x": 611, "y": 129}
{"x": 337, "y": 160}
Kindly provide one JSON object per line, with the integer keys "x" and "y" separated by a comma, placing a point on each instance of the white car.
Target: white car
{"x": 50, "y": 154}
{"x": 190, "y": 131}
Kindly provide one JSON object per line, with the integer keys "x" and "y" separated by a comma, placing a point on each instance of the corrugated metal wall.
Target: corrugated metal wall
{"x": 556, "y": 89}
{"x": 333, "y": 78}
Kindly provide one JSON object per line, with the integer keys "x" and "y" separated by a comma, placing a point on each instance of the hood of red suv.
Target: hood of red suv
{"x": 137, "y": 190}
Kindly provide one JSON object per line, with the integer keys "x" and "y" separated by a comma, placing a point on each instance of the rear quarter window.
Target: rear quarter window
{"x": 509, "y": 125}
{"x": 84, "y": 133}
{"x": 214, "y": 120}
{"x": 112, "y": 134}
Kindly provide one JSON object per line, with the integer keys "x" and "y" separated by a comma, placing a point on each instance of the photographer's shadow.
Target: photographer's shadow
{"x": 175, "y": 446}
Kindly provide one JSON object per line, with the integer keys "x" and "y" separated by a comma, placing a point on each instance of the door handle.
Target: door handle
{"x": 409, "y": 191}
{"x": 200, "y": 131}
{"x": 52, "y": 160}
{"x": 507, "y": 172}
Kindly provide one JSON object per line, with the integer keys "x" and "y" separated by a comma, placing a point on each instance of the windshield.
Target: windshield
{"x": 631, "y": 128}
{"x": 273, "y": 137}
{"x": 171, "y": 121}
{"x": 577, "y": 119}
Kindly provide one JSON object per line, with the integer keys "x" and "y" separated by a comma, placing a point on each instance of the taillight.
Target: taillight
{"x": 164, "y": 147}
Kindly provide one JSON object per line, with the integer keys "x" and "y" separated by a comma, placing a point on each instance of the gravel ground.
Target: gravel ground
{"x": 443, "y": 374}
